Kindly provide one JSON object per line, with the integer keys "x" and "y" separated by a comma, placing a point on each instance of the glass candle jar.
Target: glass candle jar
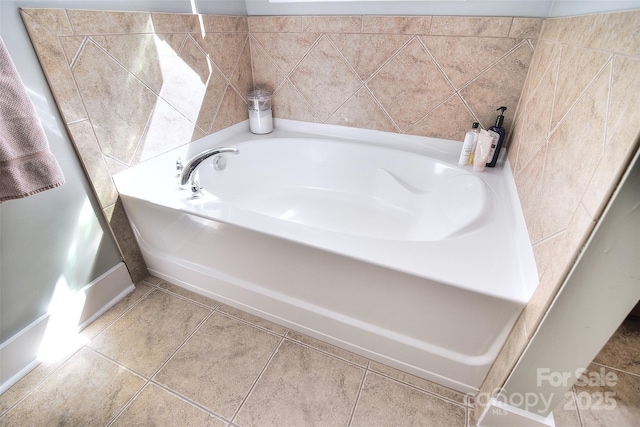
{"x": 260, "y": 114}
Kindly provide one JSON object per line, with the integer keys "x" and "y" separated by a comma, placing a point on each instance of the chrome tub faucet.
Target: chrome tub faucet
{"x": 188, "y": 171}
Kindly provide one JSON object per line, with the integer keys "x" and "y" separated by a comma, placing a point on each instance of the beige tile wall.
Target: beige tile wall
{"x": 576, "y": 128}
{"x": 132, "y": 85}
{"x": 421, "y": 75}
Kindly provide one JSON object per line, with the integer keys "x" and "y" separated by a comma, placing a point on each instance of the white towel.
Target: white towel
{"x": 26, "y": 164}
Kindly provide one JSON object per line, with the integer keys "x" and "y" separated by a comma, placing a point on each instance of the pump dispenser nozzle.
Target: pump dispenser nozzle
{"x": 500, "y": 118}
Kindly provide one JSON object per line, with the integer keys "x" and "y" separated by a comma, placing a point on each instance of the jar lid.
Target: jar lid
{"x": 258, "y": 95}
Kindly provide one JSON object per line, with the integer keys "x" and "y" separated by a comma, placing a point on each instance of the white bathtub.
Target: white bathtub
{"x": 376, "y": 242}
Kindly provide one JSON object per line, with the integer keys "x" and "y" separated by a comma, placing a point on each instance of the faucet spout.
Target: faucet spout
{"x": 191, "y": 166}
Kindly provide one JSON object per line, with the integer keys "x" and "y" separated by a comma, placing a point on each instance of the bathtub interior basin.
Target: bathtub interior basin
{"x": 328, "y": 185}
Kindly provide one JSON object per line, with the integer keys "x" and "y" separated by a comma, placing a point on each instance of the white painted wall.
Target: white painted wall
{"x": 582, "y": 7}
{"x": 527, "y": 8}
{"x": 530, "y": 8}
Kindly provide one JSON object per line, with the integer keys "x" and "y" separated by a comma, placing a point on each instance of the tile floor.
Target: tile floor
{"x": 593, "y": 404}
{"x": 165, "y": 356}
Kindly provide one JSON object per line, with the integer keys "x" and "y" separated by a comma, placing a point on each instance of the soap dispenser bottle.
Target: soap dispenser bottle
{"x": 495, "y": 152}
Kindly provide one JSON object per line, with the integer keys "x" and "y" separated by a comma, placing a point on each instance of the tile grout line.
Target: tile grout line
{"x": 128, "y": 403}
{"x": 248, "y": 323}
{"x": 574, "y": 396}
{"x": 326, "y": 353}
{"x": 296, "y": 66}
{"x": 510, "y": 28}
{"x": 264, "y": 368}
{"x": 121, "y": 315}
{"x": 529, "y": 87}
{"x": 417, "y": 388}
{"x": 494, "y": 63}
{"x": 391, "y": 57}
{"x": 133, "y": 372}
{"x": 262, "y": 51}
{"x": 580, "y": 96}
{"x": 188, "y": 400}
{"x": 120, "y": 364}
{"x": 75, "y": 58}
{"x": 355, "y": 403}
{"x": 148, "y": 122}
{"x": 377, "y": 71}
{"x": 636, "y": 375}
{"x": 184, "y": 342}
{"x": 353, "y": 70}
{"x": 236, "y": 68}
{"x": 608, "y": 113}
{"x": 186, "y": 298}
{"x": 452, "y": 86}
{"x": 41, "y": 382}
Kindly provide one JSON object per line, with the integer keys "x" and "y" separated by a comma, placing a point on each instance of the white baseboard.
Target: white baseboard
{"x": 19, "y": 354}
{"x": 500, "y": 414}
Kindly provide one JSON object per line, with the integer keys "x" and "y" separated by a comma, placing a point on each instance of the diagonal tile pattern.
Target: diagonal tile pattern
{"x": 410, "y": 67}
{"x": 324, "y": 79}
{"x": 286, "y": 49}
{"x": 410, "y": 85}
{"x": 112, "y": 97}
{"x": 368, "y": 52}
{"x": 464, "y": 58}
{"x": 574, "y": 132}
{"x": 144, "y": 83}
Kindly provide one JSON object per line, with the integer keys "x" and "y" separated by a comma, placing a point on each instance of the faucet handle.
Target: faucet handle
{"x": 179, "y": 167}
{"x": 196, "y": 189}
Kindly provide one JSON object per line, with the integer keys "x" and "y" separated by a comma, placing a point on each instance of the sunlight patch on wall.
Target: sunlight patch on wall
{"x": 61, "y": 335}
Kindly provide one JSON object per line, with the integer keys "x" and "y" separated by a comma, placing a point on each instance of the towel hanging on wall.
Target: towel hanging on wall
{"x": 27, "y": 166}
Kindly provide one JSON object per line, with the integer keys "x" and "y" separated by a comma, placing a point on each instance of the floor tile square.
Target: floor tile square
{"x": 384, "y": 402}
{"x": 145, "y": 337}
{"x": 328, "y": 348}
{"x": 254, "y": 320}
{"x": 608, "y": 398}
{"x": 157, "y": 407}
{"x": 420, "y": 383}
{"x": 623, "y": 349}
{"x": 189, "y": 295}
{"x": 219, "y": 364}
{"x": 87, "y": 390}
{"x": 302, "y": 387}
